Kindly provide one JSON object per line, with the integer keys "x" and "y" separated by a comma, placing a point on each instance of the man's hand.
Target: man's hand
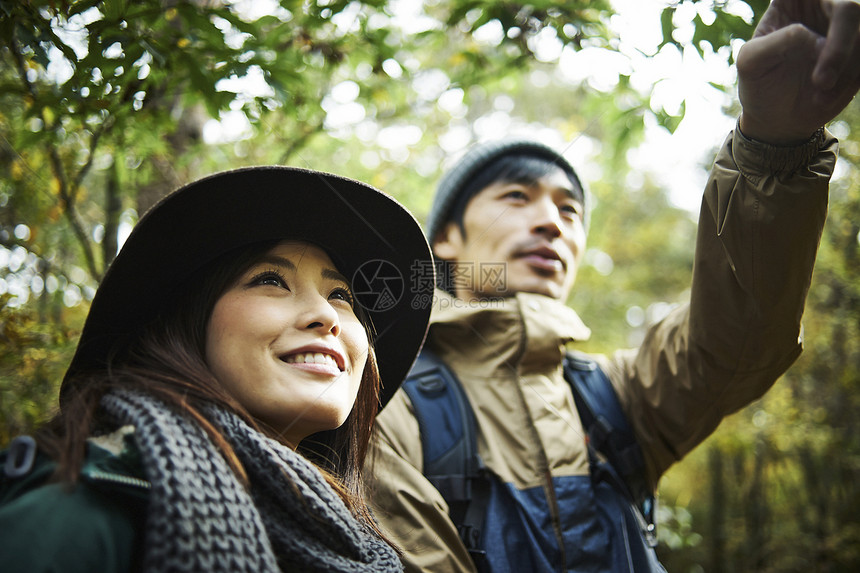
{"x": 800, "y": 69}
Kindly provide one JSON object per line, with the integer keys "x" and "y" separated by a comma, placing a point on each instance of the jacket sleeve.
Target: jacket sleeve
{"x": 410, "y": 510}
{"x": 760, "y": 224}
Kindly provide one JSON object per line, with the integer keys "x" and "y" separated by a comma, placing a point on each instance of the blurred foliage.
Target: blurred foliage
{"x": 105, "y": 107}
{"x": 33, "y": 357}
{"x": 638, "y": 264}
{"x": 716, "y": 24}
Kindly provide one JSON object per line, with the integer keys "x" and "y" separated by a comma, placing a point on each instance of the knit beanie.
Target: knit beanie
{"x": 456, "y": 180}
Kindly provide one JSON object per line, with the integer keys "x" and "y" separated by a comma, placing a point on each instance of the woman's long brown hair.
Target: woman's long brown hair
{"x": 167, "y": 360}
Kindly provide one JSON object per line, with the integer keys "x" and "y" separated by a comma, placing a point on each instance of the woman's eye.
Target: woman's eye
{"x": 270, "y": 278}
{"x": 343, "y": 294}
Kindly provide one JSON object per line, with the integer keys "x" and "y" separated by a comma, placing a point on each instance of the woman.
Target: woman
{"x": 224, "y": 342}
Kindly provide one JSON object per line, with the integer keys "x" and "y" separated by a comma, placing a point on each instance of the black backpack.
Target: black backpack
{"x": 452, "y": 464}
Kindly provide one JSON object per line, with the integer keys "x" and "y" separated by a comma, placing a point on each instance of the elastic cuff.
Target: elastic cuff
{"x": 779, "y": 158}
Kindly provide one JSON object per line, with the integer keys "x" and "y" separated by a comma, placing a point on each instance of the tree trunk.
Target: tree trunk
{"x": 817, "y": 492}
{"x": 167, "y": 174}
{"x": 756, "y": 511}
{"x": 113, "y": 210}
{"x": 717, "y": 517}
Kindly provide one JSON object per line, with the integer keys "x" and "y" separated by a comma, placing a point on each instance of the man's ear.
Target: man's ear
{"x": 449, "y": 242}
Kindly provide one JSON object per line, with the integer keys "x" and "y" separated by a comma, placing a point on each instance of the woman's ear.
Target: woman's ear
{"x": 448, "y": 244}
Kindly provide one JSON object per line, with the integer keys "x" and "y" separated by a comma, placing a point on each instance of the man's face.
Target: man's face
{"x": 533, "y": 233}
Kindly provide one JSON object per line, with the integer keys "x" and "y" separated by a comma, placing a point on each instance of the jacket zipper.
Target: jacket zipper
{"x": 98, "y": 475}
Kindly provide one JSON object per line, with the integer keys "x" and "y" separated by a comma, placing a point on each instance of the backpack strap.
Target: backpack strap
{"x": 607, "y": 429}
{"x": 449, "y": 442}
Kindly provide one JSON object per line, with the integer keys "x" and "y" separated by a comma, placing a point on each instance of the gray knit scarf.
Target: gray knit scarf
{"x": 201, "y": 518}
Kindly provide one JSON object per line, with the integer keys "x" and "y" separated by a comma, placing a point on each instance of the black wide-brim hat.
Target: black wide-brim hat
{"x": 370, "y": 237}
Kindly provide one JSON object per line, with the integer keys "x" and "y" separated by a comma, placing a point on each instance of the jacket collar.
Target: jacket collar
{"x": 526, "y": 331}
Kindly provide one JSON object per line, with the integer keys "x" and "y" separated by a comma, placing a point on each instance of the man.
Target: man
{"x": 520, "y": 205}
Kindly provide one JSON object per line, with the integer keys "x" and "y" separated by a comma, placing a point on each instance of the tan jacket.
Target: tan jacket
{"x": 762, "y": 215}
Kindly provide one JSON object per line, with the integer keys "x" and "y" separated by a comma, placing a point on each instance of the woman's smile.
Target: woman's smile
{"x": 322, "y": 361}
{"x": 284, "y": 328}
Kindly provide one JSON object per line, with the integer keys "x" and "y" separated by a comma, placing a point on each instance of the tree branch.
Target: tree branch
{"x": 299, "y": 142}
{"x": 71, "y": 213}
{"x": 66, "y": 194}
{"x": 94, "y": 141}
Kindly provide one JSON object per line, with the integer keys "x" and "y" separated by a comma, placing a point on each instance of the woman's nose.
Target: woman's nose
{"x": 318, "y": 314}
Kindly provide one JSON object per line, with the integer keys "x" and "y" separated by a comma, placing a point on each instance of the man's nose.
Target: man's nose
{"x": 546, "y": 218}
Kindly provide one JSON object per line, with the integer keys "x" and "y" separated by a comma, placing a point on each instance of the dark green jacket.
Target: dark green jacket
{"x": 95, "y": 526}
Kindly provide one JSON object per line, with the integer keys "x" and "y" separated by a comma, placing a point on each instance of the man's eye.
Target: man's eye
{"x": 516, "y": 194}
{"x": 571, "y": 210}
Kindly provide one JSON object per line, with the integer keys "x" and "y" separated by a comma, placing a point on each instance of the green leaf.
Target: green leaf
{"x": 114, "y": 9}
{"x": 82, "y": 6}
{"x": 671, "y": 122}
{"x": 666, "y": 25}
